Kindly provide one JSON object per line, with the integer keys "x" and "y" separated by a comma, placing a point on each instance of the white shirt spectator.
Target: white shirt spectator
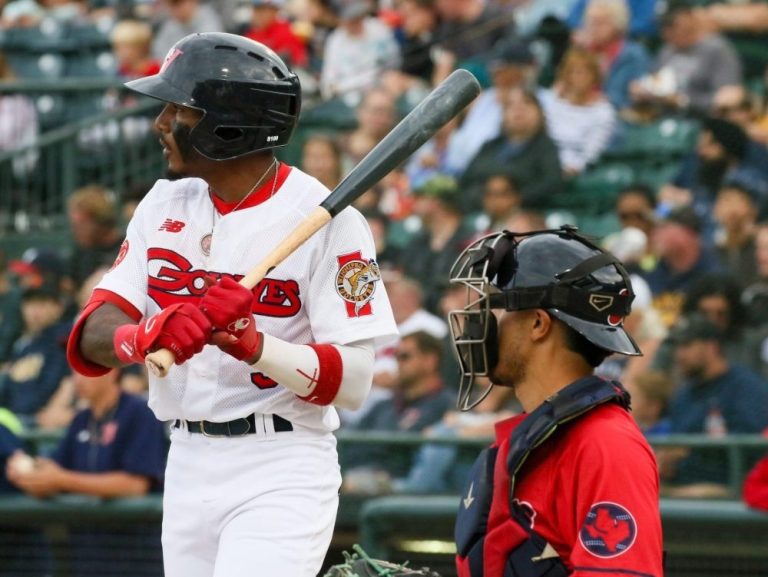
{"x": 580, "y": 132}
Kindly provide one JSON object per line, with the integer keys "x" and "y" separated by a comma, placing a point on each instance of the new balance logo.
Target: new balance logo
{"x": 171, "y": 225}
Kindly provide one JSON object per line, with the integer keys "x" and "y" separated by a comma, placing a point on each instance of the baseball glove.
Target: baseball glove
{"x": 359, "y": 564}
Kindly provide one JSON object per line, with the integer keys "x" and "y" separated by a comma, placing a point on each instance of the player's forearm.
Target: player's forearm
{"x": 107, "y": 485}
{"x": 308, "y": 371}
{"x": 96, "y": 342}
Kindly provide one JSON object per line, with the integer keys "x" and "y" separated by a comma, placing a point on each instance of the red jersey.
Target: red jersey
{"x": 591, "y": 491}
{"x": 279, "y": 36}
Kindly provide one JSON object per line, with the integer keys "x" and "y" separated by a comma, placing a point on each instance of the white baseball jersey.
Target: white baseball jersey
{"x": 327, "y": 291}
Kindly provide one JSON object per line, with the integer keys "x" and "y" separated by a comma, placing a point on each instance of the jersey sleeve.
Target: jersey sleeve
{"x": 348, "y": 301}
{"x": 616, "y": 505}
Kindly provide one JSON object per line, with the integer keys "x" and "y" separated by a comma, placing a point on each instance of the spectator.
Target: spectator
{"x": 183, "y": 17}
{"x": 469, "y": 30}
{"x": 416, "y": 37}
{"x": 321, "y": 158}
{"x": 357, "y": 53}
{"x": 10, "y": 313}
{"x": 376, "y": 116}
{"x": 10, "y": 428}
{"x": 512, "y": 65}
{"x": 387, "y": 253}
{"x": 524, "y": 151}
{"x": 651, "y": 392}
{"x": 735, "y": 212}
{"x": 132, "y": 47}
{"x": 38, "y": 361}
{"x": 691, "y": 66}
{"x": 604, "y": 34}
{"x": 716, "y": 398}
{"x": 437, "y": 467}
{"x": 756, "y": 486}
{"x": 531, "y": 14}
{"x": 735, "y": 104}
{"x": 682, "y": 259}
{"x": 636, "y": 208}
{"x": 755, "y": 296}
{"x": 92, "y": 213}
{"x": 275, "y": 32}
{"x": 642, "y": 20}
{"x": 114, "y": 448}
{"x": 419, "y": 401}
{"x": 722, "y": 155}
{"x": 501, "y": 201}
{"x": 429, "y": 255}
{"x": 579, "y": 117}
{"x": 19, "y": 126}
{"x": 321, "y": 20}
{"x": 437, "y": 156}
{"x": 407, "y": 301}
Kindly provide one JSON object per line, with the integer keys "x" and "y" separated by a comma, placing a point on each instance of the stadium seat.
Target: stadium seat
{"x": 668, "y": 137}
{"x": 36, "y": 66}
{"x": 90, "y": 64}
{"x": 51, "y": 111}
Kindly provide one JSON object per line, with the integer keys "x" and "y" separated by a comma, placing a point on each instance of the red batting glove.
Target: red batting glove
{"x": 180, "y": 328}
{"x": 228, "y": 305}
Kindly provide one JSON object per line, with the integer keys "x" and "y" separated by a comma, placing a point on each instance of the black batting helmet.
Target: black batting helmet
{"x": 249, "y": 97}
{"x": 560, "y": 271}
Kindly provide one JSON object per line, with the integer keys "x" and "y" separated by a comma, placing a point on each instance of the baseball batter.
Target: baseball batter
{"x": 252, "y": 478}
{"x": 570, "y": 487}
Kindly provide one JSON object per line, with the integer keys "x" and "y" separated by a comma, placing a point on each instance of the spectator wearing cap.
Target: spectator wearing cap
{"x": 93, "y": 219}
{"x": 722, "y": 155}
{"x": 356, "y": 53}
{"x": 181, "y": 18}
{"x": 604, "y": 34}
{"x": 40, "y": 266}
{"x": 511, "y": 65}
{"x": 444, "y": 233}
{"x": 38, "y": 364}
{"x": 274, "y": 31}
{"x": 635, "y": 209}
{"x": 692, "y": 64}
{"x": 714, "y": 398}
{"x": 523, "y": 151}
{"x": 682, "y": 258}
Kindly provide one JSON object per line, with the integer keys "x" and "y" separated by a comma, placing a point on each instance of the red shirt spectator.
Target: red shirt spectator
{"x": 275, "y": 32}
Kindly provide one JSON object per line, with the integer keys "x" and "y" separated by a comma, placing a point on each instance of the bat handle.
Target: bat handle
{"x": 159, "y": 362}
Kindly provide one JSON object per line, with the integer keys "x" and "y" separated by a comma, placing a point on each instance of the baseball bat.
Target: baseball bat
{"x": 443, "y": 103}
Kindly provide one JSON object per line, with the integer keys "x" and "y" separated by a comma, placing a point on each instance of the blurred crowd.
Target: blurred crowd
{"x": 562, "y": 81}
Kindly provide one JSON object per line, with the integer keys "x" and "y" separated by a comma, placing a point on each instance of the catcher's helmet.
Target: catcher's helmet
{"x": 249, "y": 97}
{"x": 557, "y": 270}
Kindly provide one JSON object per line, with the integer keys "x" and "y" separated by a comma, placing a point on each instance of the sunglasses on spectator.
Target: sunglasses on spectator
{"x": 404, "y": 356}
{"x": 632, "y": 215}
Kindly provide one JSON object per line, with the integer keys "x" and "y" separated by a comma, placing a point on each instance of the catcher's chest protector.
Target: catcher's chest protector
{"x": 513, "y": 546}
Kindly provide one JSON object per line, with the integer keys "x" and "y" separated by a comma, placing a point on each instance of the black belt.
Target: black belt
{"x": 234, "y": 428}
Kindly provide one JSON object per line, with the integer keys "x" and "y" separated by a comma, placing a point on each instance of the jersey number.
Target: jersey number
{"x": 262, "y": 381}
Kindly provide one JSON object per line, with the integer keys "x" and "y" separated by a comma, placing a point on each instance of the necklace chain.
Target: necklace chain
{"x": 258, "y": 184}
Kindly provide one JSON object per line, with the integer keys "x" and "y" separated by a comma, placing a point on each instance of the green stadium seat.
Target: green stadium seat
{"x": 51, "y": 111}
{"x": 90, "y": 64}
{"x": 36, "y": 66}
{"x": 665, "y": 138}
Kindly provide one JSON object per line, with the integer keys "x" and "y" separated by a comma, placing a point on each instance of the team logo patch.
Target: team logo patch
{"x": 172, "y": 55}
{"x": 356, "y": 282}
{"x": 121, "y": 253}
{"x": 608, "y": 531}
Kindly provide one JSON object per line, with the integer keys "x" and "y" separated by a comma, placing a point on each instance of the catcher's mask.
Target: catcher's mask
{"x": 557, "y": 270}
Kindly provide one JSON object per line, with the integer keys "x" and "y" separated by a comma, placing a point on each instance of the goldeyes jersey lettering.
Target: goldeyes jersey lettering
{"x": 178, "y": 281}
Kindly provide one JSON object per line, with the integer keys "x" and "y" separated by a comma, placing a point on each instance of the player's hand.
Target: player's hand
{"x": 228, "y": 304}
{"x": 180, "y": 328}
